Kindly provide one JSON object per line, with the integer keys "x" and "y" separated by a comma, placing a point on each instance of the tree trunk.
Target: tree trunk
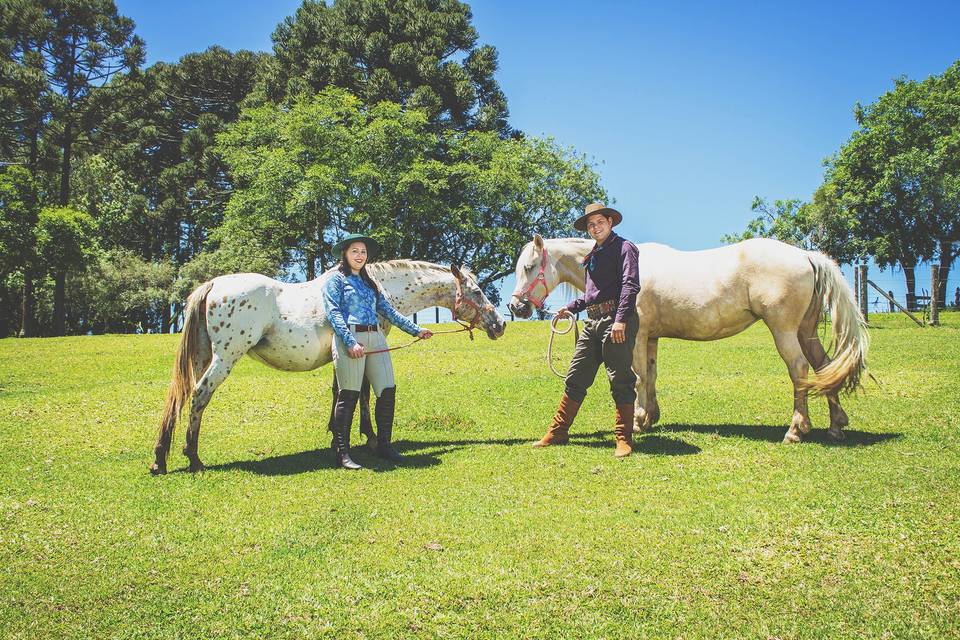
{"x": 5, "y": 314}
{"x": 864, "y": 300}
{"x": 946, "y": 255}
{"x": 934, "y": 287}
{"x": 911, "y": 278}
{"x": 34, "y": 148}
{"x": 311, "y": 265}
{"x": 27, "y": 322}
{"x": 59, "y": 303}
{"x": 165, "y": 318}
{"x": 65, "y": 165}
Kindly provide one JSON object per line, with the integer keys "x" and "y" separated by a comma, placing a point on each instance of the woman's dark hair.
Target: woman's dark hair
{"x": 345, "y": 269}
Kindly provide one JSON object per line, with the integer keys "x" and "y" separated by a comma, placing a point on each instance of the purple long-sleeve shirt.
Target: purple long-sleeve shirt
{"x": 614, "y": 275}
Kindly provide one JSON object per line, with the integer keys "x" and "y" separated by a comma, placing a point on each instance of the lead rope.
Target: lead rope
{"x": 554, "y": 331}
{"x": 463, "y": 327}
{"x": 459, "y": 300}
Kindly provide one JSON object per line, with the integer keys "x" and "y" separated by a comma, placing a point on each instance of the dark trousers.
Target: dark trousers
{"x": 596, "y": 346}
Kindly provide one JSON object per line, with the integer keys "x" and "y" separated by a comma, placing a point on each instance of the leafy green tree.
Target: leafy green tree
{"x": 66, "y": 242}
{"x": 328, "y": 165}
{"x": 897, "y": 176}
{"x": 785, "y": 220}
{"x": 493, "y": 193}
{"x": 55, "y": 57}
{"x": 23, "y": 105}
{"x": 834, "y": 230}
{"x": 293, "y": 178}
{"x": 419, "y": 53}
{"x": 169, "y": 117}
{"x": 163, "y": 189}
{"x": 119, "y": 292}
{"x": 81, "y": 44}
{"x": 19, "y": 209}
{"x": 940, "y": 102}
{"x": 820, "y": 225}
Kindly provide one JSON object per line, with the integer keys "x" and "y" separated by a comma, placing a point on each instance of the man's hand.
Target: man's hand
{"x": 617, "y": 332}
{"x": 425, "y": 335}
{"x": 564, "y": 313}
{"x": 356, "y": 351}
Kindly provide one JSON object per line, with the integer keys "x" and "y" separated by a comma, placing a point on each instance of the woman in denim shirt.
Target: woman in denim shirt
{"x": 352, "y": 301}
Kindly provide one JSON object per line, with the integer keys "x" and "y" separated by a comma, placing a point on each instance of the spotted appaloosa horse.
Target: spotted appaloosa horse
{"x": 717, "y": 293}
{"x": 284, "y": 326}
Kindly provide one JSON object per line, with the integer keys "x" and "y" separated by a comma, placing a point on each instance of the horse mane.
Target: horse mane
{"x": 388, "y": 266}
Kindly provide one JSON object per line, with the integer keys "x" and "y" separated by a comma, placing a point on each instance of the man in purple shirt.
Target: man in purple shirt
{"x": 610, "y": 299}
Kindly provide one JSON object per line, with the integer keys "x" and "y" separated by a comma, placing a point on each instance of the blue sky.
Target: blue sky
{"x": 689, "y": 109}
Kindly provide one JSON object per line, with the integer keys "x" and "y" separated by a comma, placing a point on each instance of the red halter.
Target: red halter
{"x": 461, "y": 300}
{"x": 527, "y": 294}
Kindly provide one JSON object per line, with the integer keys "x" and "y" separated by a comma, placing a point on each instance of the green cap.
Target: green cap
{"x": 373, "y": 247}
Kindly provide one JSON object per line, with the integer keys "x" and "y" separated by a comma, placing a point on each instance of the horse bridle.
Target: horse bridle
{"x": 462, "y": 300}
{"x": 527, "y": 294}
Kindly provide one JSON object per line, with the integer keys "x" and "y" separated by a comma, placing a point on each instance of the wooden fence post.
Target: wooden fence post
{"x": 863, "y": 290}
{"x": 934, "y": 298}
{"x": 437, "y": 309}
{"x": 856, "y": 284}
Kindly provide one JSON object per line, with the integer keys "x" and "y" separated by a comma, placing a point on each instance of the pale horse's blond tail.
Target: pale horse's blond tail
{"x": 850, "y": 340}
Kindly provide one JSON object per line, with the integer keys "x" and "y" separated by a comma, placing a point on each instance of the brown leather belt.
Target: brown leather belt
{"x": 365, "y": 327}
{"x": 601, "y": 309}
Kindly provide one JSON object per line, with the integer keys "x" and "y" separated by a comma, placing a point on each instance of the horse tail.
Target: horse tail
{"x": 193, "y": 348}
{"x": 850, "y": 340}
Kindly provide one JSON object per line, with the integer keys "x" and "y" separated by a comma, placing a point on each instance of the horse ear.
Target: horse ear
{"x": 455, "y": 270}
{"x": 537, "y": 241}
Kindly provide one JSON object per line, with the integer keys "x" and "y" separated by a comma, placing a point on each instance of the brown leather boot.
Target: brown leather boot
{"x": 558, "y": 433}
{"x": 624, "y": 430}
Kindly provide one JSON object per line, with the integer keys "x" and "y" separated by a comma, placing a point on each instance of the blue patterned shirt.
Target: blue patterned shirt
{"x": 349, "y": 300}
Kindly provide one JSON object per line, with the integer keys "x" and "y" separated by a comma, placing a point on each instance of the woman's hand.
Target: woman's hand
{"x": 425, "y": 335}
{"x": 564, "y": 313}
{"x": 356, "y": 351}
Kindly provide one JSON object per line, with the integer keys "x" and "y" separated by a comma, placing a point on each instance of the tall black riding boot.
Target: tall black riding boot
{"x": 386, "y": 404}
{"x": 342, "y": 420}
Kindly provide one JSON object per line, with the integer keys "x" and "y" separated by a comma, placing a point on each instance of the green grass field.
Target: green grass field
{"x": 711, "y": 529}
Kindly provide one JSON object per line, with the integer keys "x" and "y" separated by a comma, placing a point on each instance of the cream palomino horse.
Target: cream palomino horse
{"x": 283, "y": 325}
{"x": 717, "y": 293}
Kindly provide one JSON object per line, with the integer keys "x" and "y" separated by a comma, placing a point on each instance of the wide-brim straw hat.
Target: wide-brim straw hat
{"x": 596, "y": 207}
{"x": 373, "y": 247}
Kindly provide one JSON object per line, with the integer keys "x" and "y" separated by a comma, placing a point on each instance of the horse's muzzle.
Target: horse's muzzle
{"x": 496, "y": 330}
{"x": 521, "y": 309}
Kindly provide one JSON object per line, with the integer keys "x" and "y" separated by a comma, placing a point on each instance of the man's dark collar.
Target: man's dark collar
{"x": 613, "y": 234}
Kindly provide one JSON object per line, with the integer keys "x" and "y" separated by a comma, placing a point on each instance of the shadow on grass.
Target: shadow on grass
{"x": 431, "y": 451}
{"x": 648, "y": 444}
{"x": 770, "y": 433}
{"x": 319, "y": 459}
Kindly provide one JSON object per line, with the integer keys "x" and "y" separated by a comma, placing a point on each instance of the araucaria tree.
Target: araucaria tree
{"x": 418, "y": 53}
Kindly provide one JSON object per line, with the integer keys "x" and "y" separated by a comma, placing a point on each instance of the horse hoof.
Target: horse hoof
{"x": 792, "y": 438}
{"x": 197, "y": 467}
{"x": 836, "y": 435}
{"x": 158, "y": 470}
